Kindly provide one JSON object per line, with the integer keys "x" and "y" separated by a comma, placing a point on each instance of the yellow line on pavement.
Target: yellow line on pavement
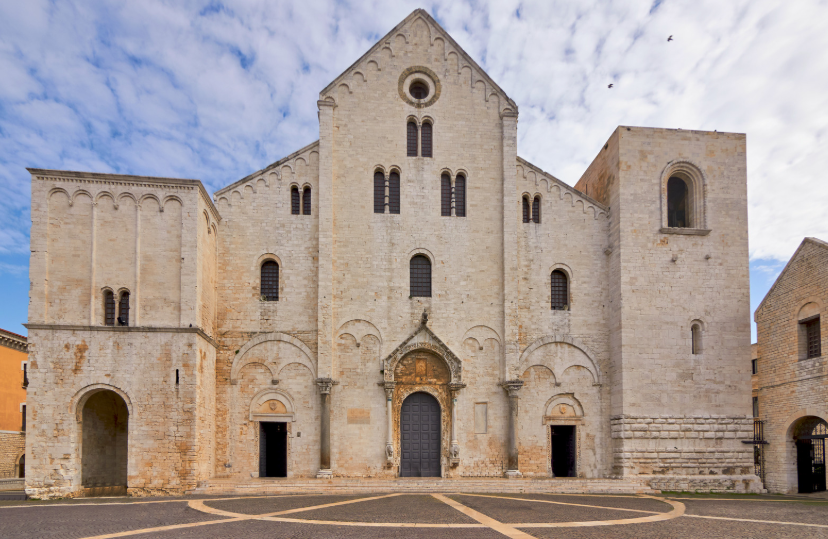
{"x": 164, "y": 528}
{"x": 762, "y": 521}
{"x": 562, "y": 503}
{"x": 678, "y": 510}
{"x": 497, "y": 526}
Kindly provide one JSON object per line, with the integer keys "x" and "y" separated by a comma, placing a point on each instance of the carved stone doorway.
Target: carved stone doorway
{"x": 420, "y": 436}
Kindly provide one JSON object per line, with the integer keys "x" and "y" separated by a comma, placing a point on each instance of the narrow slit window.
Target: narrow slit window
{"x": 176, "y": 376}
{"x": 109, "y": 308}
{"x": 560, "y": 291}
{"x": 536, "y": 210}
{"x": 123, "y": 309}
{"x": 394, "y": 192}
{"x": 677, "y": 203}
{"x": 306, "y": 201}
{"x": 412, "y": 139}
{"x": 379, "y": 192}
{"x": 525, "y": 210}
{"x": 294, "y": 200}
{"x": 460, "y": 196}
{"x": 269, "y": 288}
{"x": 813, "y": 338}
{"x": 696, "y": 339}
{"x": 445, "y": 195}
{"x": 23, "y": 422}
{"x": 425, "y": 140}
{"x": 420, "y": 274}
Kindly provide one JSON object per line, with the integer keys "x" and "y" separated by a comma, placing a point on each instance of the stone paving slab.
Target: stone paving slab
{"x": 67, "y": 522}
{"x": 260, "y": 506}
{"x": 512, "y": 511}
{"x": 406, "y": 508}
{"x": 804, "y": 511}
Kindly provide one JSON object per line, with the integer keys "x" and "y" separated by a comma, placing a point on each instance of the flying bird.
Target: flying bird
{"x": 670, "y": 38}
{"x": 610, "y": 86}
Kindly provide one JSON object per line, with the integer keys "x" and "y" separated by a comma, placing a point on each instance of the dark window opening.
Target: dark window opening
{"x": 23, "y": 412}
{"x": 123, "y": 309}
{"x": 412, "y": 139}
{"x": 418, "y": 89}
{"x": 560, "y": 291}
{"x": 21, "y": 467}
{"x": 460, "y": 196}
{"x": 176, "y": 376}
{"x": 536, "y": 210}
{"x": 420, "y": 273}
{"x": 525, "y": 210}
{"x": 306, "y": 201}
{"x": 677, "y": 203}
{"x": 425, "y": 141}
{"x": 25, "y": 375}
{"x": 696, "y": 339}
{"x": 294, "y": 200}
{"x": 394, "y": 192}
{"x": 270, "y": 281}
{"x": 754, "y": 367}
{"x": 755, "y": 406}
{"x": 379, "y": 192}
{"x": 445, "y": 195}
{"x": 812, "y": 338}
{"x": 109, "y": 308}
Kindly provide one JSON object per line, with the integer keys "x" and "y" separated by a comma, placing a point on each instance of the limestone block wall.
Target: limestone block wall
{"x": 12, "y": 446}
{"x": 791, "y": 388}
{"x": 169, "y": 424}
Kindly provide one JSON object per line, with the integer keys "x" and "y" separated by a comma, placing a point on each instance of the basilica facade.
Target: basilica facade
{"x": 405, "y": 296}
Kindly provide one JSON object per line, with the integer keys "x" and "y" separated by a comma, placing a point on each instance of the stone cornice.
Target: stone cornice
{"x": 124, "y": 329}
{"x": 13, "y": 341}
{"x": 125, "y": 180}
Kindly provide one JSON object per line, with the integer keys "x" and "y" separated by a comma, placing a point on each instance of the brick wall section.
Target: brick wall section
{"x": 791, "y": 388}
{"x": 12, "y": 445}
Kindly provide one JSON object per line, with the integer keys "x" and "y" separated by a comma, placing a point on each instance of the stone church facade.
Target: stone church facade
{"x": 406, "y": 296}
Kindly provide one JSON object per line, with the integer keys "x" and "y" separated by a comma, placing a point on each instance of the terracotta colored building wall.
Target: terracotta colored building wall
{"x": 12, "y": 394}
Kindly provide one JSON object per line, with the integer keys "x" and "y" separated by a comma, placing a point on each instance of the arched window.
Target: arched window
{"x": 525, "y": 209}
{"x": 394, "y": 192}
{"x": 420, "y": 273}
{"x": 109, "y": 308}
{"x": 294, "y": 200}
{"x": 536, "y": 210}
{"x": 560, "y": 291}
{"x": 306, "y": 201}
{"x": 460, "y": 196}
{"x": 445, "y": 195}
{"x": 677, "y": 203}
{"x": 412, "y": 139}
{"x": 379, "y": 192}
{"x": 696, "y": 339}
{"x": 123, "y": 309}
{"x": 425, "y": 140}
{"x": 269, "y": 288}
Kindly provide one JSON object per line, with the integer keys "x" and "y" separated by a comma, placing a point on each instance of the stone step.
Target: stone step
{"x": 357, "y": 485}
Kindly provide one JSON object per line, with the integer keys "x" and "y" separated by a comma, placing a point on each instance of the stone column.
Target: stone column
{"x": 324, "y": 199}
{"x": 512, "y": 387}
{"x": 511, "y": 220}
{"x": 325, "y": 472}
{"x": 454, "y": 450}
{"x": 389, "y": 439}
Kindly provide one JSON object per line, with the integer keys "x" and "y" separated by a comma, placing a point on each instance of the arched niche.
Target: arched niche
{"x": 244, "y": 356}
{"x": 563, "y": 407}
{"x": 559, "y": 362}
{"x": 272, "y": 405}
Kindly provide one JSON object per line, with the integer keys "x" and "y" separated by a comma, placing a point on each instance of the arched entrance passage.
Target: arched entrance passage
{"x": 104, "y": 427}
{"x": 420, "y": 429}
{"x": 809, "y": 437}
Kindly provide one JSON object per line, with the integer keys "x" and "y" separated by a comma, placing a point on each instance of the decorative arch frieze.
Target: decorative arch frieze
{"x": 239, "y": 362}
{"x": 525, "y": 360}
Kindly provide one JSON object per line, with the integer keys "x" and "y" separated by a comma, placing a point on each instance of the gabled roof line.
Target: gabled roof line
{"x": 268, "y": 168}
{"x": 430, "y": 19}
{"x": 815, "y": 241}
{"x": 563, "y": 185}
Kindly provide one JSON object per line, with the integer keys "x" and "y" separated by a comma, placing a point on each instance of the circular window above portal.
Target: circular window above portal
{"x": 419, "y": 86}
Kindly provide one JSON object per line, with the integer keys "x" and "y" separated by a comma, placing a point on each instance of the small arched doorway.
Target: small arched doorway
{"x": 420, "y": 436}
{"x": 21, "y": 466}
{"x": 104, "y": 427}
{"x": 809, "y": 437}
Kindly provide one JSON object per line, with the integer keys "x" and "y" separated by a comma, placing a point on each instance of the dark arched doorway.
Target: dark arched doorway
{"x": 21, "y": 467}
{"x": 104, "y": 443}
{"x": 809, "y": 437}
{"x": 420, "y": 436}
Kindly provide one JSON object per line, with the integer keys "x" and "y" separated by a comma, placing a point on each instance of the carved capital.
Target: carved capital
{"x": 512, "y": 387}
{"x": 325, "y": 385}
{"x": 455, "y": 389}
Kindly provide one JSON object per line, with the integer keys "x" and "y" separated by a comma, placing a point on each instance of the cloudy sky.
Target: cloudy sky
{"x": 216, "y": 90}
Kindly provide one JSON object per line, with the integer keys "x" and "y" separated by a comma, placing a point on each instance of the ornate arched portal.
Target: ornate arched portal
{"x": 809, "y": 435}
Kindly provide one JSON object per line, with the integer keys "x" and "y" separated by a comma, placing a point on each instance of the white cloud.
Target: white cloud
{"x": 217, "y": 90}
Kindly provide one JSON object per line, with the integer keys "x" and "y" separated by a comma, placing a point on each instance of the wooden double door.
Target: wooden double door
{"x": 420, "y": 436}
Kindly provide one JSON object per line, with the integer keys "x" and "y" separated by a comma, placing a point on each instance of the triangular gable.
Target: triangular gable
{"x": 816, "y": 241}
{"x": 435, "y": 32}
{"x": 526, "y": 170}
{"x": 423, "y": 339}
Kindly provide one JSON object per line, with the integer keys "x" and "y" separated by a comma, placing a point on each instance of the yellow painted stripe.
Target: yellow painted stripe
{"x": 561, "y": 503}
{"x": 497, "y": 526}
{"x": 762, "y": 521}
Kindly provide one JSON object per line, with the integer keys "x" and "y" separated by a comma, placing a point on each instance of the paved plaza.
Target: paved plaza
{"x": 455, "y": 516}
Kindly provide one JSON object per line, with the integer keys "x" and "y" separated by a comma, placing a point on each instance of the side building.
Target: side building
{"x": 13, "y": 382}
{"x": 793, "y": 372}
